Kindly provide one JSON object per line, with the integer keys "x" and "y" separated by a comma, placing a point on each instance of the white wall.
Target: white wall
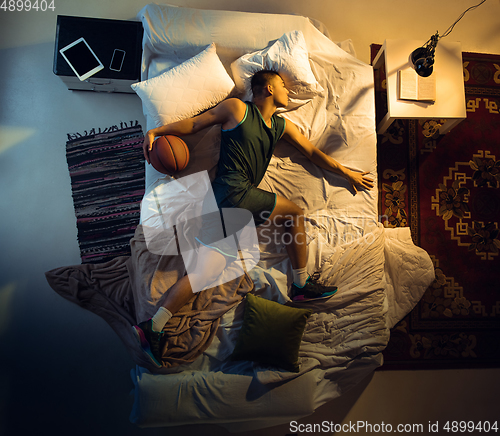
{"x": 63, "y": 370}
{"x": 363, "y": 21}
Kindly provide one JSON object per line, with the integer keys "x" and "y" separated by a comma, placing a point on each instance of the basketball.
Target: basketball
{"x": 169, "y": 155}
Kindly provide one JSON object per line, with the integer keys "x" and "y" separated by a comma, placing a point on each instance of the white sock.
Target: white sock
{"x": 160, "y": 319}
{"x": 300, "y": 276}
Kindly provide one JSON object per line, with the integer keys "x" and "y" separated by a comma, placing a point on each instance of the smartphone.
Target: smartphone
{"x": 82, "y": 60}
{"x": 117, "y": 60}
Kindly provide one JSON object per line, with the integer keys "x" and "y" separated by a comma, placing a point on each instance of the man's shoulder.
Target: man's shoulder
{"x": 232, "y": 111}
{"x": 232, "y": 104}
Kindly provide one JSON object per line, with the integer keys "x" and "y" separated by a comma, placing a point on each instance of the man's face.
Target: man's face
{"x": 280, "y": 92}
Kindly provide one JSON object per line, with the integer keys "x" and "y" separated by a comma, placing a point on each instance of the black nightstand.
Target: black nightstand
{"x": 103, "y": 36}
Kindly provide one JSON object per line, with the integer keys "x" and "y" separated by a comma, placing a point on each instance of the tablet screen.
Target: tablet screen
{"x": 81, "y": 58}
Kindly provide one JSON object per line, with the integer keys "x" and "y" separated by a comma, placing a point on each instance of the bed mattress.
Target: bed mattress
{"x": 380, "y": 273}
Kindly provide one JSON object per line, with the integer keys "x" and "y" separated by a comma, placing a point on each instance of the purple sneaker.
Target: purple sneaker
{"x": 149, "y": 340}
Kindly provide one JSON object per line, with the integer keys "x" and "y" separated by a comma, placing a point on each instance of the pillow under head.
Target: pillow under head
{"x": 289, "y": 57}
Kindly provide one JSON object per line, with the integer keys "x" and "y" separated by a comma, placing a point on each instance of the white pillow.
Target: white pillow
{"x": 289, "y": 57}
{"x": 187, "y": 89}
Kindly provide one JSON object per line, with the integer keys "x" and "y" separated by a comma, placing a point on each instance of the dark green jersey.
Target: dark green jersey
{"x": 245, "y": 153}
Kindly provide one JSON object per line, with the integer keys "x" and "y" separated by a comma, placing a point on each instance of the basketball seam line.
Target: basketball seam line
{"x": 173, "y": 155}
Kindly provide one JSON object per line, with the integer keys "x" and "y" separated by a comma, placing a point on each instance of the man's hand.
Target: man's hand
{"x": 147, "y": 146}
{"x": 228, "y": 113}
{"x": 359, "y": 180}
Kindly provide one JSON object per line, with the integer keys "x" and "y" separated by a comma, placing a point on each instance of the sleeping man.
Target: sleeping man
{"x": 249, "y": 133}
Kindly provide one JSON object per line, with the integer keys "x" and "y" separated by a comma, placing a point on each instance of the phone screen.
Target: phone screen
{"x": 117, "y": 60}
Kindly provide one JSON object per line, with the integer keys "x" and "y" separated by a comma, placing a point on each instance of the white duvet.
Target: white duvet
{"x": 380, "y": 273}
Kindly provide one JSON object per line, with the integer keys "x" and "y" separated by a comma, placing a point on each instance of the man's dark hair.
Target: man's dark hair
{"x": 260, "y": 79}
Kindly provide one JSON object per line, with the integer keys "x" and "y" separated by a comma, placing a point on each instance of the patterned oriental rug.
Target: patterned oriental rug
{"x": 446, "y": 188}
{"x": 107, "y": 182}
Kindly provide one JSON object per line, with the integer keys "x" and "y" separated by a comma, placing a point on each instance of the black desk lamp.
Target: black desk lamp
{"x": 422, "y": 58}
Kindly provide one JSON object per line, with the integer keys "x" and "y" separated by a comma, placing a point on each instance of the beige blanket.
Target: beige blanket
{"x": 127, "y": 290}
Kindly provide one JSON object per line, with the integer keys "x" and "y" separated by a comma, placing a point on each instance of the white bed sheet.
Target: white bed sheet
{"x": 380, "y": 273}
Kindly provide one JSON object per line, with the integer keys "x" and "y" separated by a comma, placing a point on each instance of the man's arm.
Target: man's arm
{"x": 301, "y": 143}
{"x": 225, "y": 113}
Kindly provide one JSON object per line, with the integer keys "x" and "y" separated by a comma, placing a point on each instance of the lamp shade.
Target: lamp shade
{"x": 422, "y": 60}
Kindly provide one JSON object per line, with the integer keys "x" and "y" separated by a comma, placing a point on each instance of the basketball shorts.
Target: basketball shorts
{"x": 219, "y": 229}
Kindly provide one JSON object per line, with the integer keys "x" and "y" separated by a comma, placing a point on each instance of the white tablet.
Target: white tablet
{"x": 81, "y": 59}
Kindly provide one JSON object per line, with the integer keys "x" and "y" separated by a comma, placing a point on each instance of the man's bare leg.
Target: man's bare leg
{"x": 288, "y": 214}
{"x": 210, "y": 264}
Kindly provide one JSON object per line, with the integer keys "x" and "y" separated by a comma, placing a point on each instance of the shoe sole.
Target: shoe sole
{"x": 143, "y": 342}
{"x": 297, "y": 298}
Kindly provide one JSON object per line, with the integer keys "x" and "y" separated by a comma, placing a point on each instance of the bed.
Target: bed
{"x": 379, "y": 272}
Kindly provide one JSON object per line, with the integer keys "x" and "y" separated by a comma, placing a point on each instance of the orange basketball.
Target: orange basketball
{"x": 170, "y": 154}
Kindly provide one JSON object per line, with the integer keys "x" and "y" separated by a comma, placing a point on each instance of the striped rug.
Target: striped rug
{"x": 107, "y": 182}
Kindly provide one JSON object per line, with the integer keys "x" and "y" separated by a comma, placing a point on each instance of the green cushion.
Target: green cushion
{"x": 271, "y": 333}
